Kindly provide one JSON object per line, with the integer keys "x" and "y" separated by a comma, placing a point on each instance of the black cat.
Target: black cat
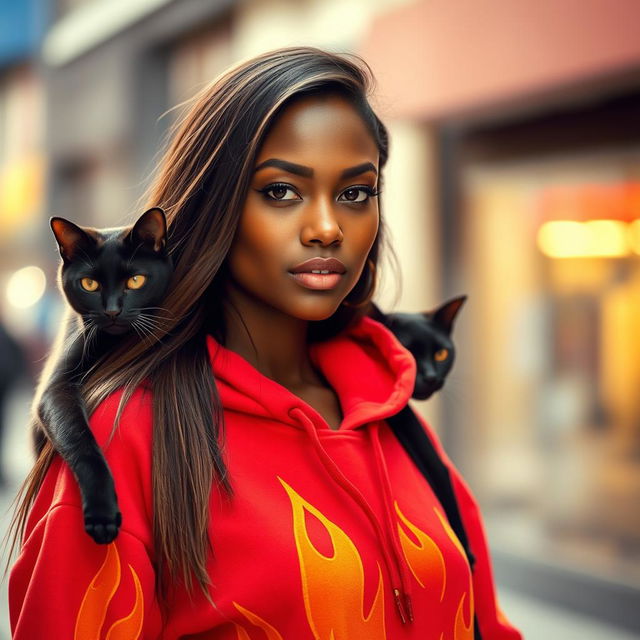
{"x": 428, "y": 337}
{"x": 114, "y": 280}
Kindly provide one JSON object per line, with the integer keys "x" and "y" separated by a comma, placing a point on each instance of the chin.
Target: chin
{"x": 116, "y": 329}
{"x": 318, "y": 311}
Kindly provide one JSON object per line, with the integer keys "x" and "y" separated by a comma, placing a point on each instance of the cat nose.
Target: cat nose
{"x": 112, "y": 313}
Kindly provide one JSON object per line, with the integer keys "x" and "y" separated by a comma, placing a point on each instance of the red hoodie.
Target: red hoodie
{"x": 326, "y": 530}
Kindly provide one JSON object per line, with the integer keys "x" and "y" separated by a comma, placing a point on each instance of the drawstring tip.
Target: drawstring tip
{"x": 407, "y": 600}
{"x": 399, "y": 606}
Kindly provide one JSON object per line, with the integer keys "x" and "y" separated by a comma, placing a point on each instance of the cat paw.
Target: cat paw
{"x": 103, "y": 528}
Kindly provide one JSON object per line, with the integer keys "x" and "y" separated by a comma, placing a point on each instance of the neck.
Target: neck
{"x": 274, "y": 342}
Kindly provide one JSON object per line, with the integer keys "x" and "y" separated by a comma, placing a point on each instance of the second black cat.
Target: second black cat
{"x": 428, "y": 337}
{"x": 113, "y": 280}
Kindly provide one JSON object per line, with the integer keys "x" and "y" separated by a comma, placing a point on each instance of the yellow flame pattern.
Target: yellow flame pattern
{"x": 461, "y": 631}
{"x": 339, "y": 578}
{"x": 427, "y": 564}
{"x": 425, "y": 558}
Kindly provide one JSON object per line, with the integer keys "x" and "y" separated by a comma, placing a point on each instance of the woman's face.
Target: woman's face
{"x": 311, "y": 197}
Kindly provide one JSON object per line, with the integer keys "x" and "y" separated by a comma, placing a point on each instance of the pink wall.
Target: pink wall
{"x": 438, "y": 56}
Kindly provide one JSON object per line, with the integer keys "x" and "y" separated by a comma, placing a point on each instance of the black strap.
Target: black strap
{"x": 407, "y": 428}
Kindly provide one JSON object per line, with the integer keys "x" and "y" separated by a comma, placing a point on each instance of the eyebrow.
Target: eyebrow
{"x": 307, "y": 172}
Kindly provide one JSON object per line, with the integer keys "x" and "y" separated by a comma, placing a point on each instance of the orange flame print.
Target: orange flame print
{"x": 242, "y": 634}
{"x": 450, "y": 532}
{"x": 131, "y": 626}
{"x": 269, "y": 631}
{"x": 97, "y": 597}
{"x": 461, "y": 630}
{"x": 425, "y": 558}
{"x": 339, "y": 577}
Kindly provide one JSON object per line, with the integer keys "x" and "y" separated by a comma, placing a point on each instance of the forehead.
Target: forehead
{"x": 314, "y": 124}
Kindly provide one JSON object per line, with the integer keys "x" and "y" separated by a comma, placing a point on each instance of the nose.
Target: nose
{"x": 112, "y": 306}
{"x": 321, "y": 226}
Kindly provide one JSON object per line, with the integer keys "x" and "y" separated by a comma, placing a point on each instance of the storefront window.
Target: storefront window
{"x": 552, "y": 340}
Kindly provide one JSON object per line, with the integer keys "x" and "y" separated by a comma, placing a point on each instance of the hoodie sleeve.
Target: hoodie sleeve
{"x": 65, "y": 585}
{"x": 493, "y": 623}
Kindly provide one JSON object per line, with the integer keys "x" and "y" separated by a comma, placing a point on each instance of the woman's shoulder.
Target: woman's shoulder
{"x": 135, "y": 419}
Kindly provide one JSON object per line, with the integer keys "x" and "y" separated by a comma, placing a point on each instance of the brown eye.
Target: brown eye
{"x": 89, "y": 285}
{"x": 135, "y": 282}
{"x": 353, "y": 195}
{"x": 357, "y": 194}
{"x": 441, "y": 355}
{"x": 278, "y": 191}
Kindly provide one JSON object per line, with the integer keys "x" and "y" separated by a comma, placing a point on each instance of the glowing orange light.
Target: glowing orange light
{"x": 590, "y": 220}
{"x": 582, "y": 202}
{"x": 633, "y": 235}
{"x": 591, "y": 239}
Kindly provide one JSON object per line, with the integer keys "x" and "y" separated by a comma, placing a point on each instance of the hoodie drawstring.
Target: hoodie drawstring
{"x": 395, "y": 567}
{"x": 383, "y": 473}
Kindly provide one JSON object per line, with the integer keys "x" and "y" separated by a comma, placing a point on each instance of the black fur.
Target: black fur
{"x": 109, "y": 258}
{"x": 428, "y": 337}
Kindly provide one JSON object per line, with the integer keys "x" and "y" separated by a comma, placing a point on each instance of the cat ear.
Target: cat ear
{"x": 70, "y": 237}
{"x": 444, "y": 315}
{"x": 150, "y": 229}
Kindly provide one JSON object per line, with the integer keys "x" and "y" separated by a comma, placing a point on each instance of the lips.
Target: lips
{"x": 320, "y": 274}
{"x": 332, "y": 265}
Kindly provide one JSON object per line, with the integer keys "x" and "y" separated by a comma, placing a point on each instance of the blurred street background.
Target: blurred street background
{"x": 514, "y": 178}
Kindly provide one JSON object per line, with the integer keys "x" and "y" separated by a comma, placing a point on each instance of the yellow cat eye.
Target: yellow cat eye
{"x": 441, "y": 355}
{"x": 89, "y": 285}
{"x": 135, "y": 282}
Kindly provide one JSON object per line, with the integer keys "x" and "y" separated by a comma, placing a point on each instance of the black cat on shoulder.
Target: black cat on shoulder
{"x": 114, "y": 280}
{"x": 427, "y": 336}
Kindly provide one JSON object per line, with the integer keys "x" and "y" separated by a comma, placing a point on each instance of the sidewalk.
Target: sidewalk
{"x": 540, "y": 621}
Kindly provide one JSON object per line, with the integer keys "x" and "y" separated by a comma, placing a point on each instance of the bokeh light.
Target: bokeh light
{"x": 634, "y": 236}
{"x": 26, "y": 286}
{"x": 591, "y": 239}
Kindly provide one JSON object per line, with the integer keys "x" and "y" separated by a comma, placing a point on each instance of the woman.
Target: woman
{"x": 317, "y": 524}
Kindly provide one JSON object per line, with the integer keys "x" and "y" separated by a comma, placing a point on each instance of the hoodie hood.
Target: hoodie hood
{"x": 372, "y": 374}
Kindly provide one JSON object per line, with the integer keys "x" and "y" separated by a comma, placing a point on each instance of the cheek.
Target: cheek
{"x": 362, "y": 234}
{"x": 255, "y": 251}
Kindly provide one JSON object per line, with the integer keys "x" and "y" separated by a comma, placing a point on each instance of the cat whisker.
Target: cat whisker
{"x": 91, "y": 333}
{"x": 143, "y": 331}
{"x": 151, "y": 332}
{"x": 143, "y": 309}
{"x": 148, "y": 328}
{"x": 138, "y": 332}
{"x": 153, "y": 320}
{"x": 154, "y": 323}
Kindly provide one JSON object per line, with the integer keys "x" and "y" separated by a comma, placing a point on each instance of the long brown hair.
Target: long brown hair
{"x": 201, "y": 184}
